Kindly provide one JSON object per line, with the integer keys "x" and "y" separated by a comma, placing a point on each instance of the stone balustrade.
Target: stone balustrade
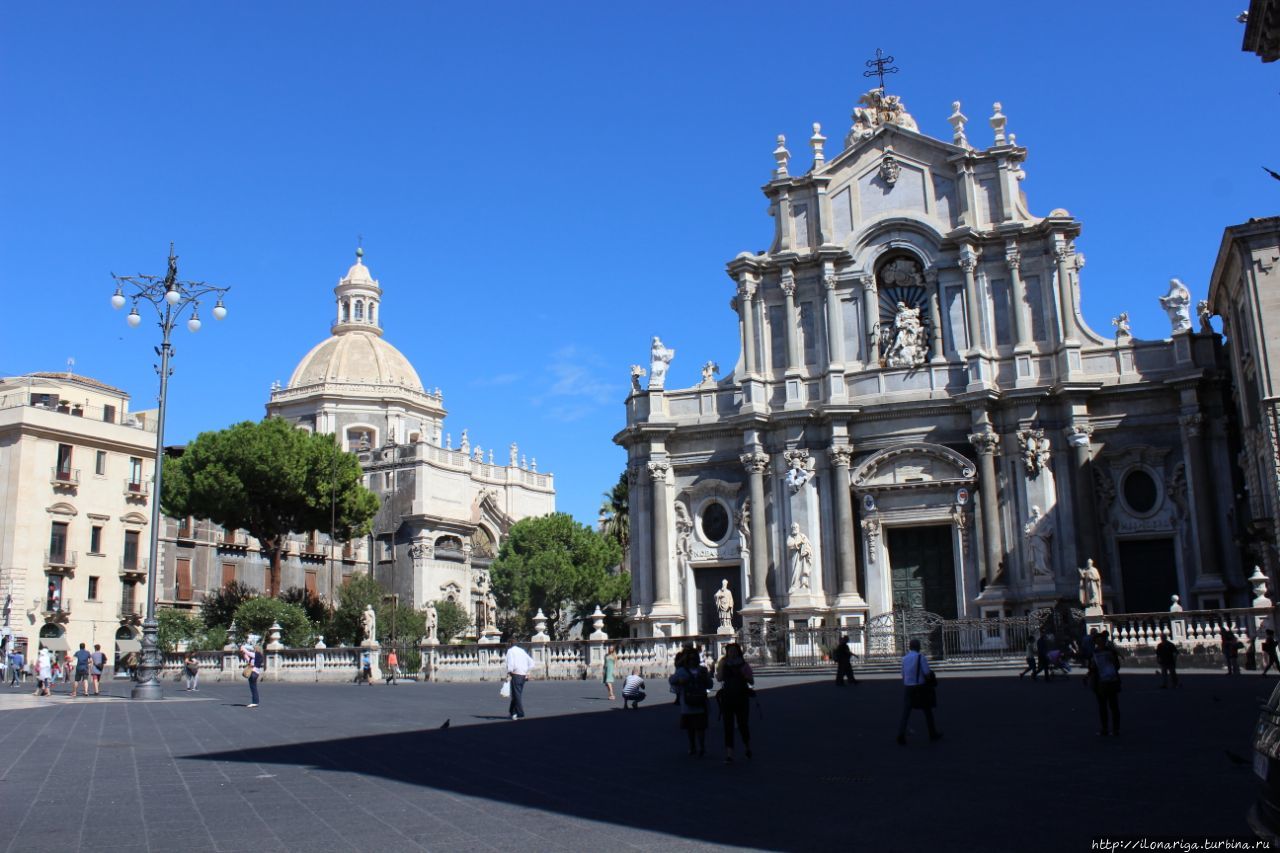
{"x": 1194, "y": 631}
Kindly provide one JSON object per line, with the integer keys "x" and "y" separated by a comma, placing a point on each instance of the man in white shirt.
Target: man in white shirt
{"x": 633, "y": 690}
{"x": 519, "y": 665}
{"x": 917, "y": 692}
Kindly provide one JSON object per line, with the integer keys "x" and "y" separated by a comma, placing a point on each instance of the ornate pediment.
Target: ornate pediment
{"x": 913, "y": 466}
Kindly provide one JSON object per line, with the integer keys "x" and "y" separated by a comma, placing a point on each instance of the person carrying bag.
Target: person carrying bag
{"x": 919, "y": 692}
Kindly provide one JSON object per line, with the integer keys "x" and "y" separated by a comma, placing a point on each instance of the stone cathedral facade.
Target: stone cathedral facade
{"x": 919, "y": 417}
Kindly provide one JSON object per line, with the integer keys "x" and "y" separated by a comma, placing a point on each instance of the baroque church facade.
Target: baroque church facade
{"x": 921, "y": 419}
{"x": 444, "y": 509}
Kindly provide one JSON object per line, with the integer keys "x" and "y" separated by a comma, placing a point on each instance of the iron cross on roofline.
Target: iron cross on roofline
{"x": 878, "y": 67}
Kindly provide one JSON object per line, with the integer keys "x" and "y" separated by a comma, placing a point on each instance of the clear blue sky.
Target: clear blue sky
{"x": 542, "y": 187}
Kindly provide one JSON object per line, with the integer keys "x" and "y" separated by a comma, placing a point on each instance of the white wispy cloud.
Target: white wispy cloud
{"x": 576, "y": 385}
{"x": 497, "y": 380}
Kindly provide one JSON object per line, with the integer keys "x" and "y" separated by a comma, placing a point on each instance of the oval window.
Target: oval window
{"x": 715, "y": 521}
{"x": 1140, "y": 491}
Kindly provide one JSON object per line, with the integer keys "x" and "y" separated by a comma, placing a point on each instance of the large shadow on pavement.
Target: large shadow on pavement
{"x": 1020, "y": 766}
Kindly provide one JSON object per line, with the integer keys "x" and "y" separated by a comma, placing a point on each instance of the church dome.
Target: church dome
{"x": 357, "y": 357}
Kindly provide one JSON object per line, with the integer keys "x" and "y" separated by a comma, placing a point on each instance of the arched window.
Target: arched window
{"x": 359, "y": 309}
{"x": 904, "y": 315}
{"x": 346, "y": 310}
{"x": 373, "y": 311}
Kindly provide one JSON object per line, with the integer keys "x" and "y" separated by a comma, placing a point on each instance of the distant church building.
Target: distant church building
{"x": 919, "y": 417}
{"x": 445, "y": 509}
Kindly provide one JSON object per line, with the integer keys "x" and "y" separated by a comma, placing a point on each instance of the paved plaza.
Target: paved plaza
{"x": 322, "y": 768}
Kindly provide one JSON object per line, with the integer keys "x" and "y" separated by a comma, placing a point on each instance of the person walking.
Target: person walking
{"x": 692, "y": 681}
{"x": 191, "y": 669}
{"x": 633, "y": 691}
{"x": 16, "y": 663}
{"x": 366, "y": 669}
{"x": 1104, "y": 678}
{"x": 1043, "y": 646}
{"x": 1167, "y": 656}
{"x": 44, "y": 672}
{"x": 97, "y": 663}
{"x": 734, "y": 697}
{"x": 1231, "y": 647}
{"x": 82, "y": 660}
{"x": 519, "y": 666}
{"x": 393, "y": 667}
{"x": 256, "y": 659}
{"x": 918, "y": 691}
{"x": 844, "y": 663}
{"x": 1269, "y": 652}
{"x": 610, "y": 668}
{"x": 1032, "y": 655}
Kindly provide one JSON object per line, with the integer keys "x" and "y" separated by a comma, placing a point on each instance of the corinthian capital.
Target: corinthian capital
{"x": 984, "y": 442}
{"x": 658, "y": 471}
{"x": 746, "y": 288}
{"x": 788, "y": 284}
{"x": 1013, "y": 256}
{"x": 868, "y": 283}
{"x": 1078, "y": 435}
{"x": 830, "y": 282}
{"x": 755, "y": 463}
{"x": 841, "y": 455}
{"x": 968, "y": 260}
{"x": 1192, "y": 423}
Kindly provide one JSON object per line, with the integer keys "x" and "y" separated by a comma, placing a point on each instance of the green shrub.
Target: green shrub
{"x": 256, "y": 615}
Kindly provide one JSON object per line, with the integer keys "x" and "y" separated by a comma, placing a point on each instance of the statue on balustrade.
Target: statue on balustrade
{"x": 659, "y": 360}
{"x": 370, "y": 621}
{"x": 724, "y": 605}
{"x": 1091, "y": 588}
{"x": 432, "y": 621}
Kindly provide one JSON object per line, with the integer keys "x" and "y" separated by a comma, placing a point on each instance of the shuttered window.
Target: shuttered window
{"x": 184, "y": 579}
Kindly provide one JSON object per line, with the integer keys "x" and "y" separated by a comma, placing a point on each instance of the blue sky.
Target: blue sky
{"x": 542, "y": 187}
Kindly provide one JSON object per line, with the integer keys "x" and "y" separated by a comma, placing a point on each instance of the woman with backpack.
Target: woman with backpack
{"x": 1104, "y": 678}
{"x": 734, "y": 697}
{"x": 691, "y": 681}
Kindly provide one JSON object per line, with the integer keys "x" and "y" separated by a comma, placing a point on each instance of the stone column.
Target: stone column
{"x": 746, "y": 307}
{"x": 1021, "y": 323}
{"x": 661, "y": 547}
{"x": 835, "y": 323}
{"x": 871, "y": 318}
{"x": 793, "y": 326}
{"x": 969, "y": 263}
{"x": 1066, "y": 292}
{"x": 1202, "y": 489}
{"x": 756, "y": 464}
{"x": 935, "y": 311}
{"x": 985, "y": 442}
{"x": 846, "y": 557}
{"x": 1079, "y": 436}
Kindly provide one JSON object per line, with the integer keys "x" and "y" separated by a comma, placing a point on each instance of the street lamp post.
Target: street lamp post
{"x": 171, "y": 298}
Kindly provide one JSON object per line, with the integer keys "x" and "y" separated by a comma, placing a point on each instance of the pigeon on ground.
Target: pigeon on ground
{"x": 445, "y": 724}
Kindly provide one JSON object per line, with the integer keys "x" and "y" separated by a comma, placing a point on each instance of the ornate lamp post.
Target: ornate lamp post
{"x": 171, "y": 298}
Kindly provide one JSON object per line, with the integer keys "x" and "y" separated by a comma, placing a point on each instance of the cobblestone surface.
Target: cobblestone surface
{"x": 322, "y": 768}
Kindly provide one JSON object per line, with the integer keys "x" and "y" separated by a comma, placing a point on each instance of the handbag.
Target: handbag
{"x": 247, "y": 671}
{"x": 925, "y": 693}
{"x": 505, "y": 690}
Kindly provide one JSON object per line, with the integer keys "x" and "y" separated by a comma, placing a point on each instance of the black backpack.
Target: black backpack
{"x": 695, "y": 691}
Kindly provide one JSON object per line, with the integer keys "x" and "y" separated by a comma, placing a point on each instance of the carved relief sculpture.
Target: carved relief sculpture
{"x": 905, "y": 339}
{"x": 1177, "y": 304}
{"x": 1090, "y": 588}
{"x": 877, "y": 109}
{"x": 871, "y": 530}
{"x": 659, "y": 360}
{"x": 890, "y": 169}
{"x": 420, "y": 550}
{"x": 1037, "y": 534}
{"x": 684, "y": 538}
{"x": 801, "y": 560}
{"x": 1034, "y": 447}
{"x": 799, "y": 468}
{"x": 724, "y": 605}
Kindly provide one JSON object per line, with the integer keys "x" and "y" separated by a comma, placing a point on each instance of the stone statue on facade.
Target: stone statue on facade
{"x": 800, "y": 469}
{"x": 432, "y": 622}
{"x": 709, "y": 371}
{"x": 465, "y": 446}
{"x": 637, "y": 373}
{"x": 490, "y": 611}
{"x": 724, "y": 606}
{"x": 1122, "y": 326}
{"x": 744, "y": 538}
{"x": 1037, "y": 534}
{"x": 369, "y": 619}
{"x": 364, "y": 442}
{"x": 906, "y": 343}
{"x": 1177, "y": 304}
{"x": 659, "y": 360}
{"x": 684, "y": 538}
{"x": 1204, "y": 313}
{"x": 801, "y": 560}
{"x": 876, "y": 109}
{"x": 1090, "y": 588}
{"x": 1034, "y": 447}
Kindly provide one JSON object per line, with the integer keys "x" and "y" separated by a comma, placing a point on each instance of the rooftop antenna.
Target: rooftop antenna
{"x": 880, "y": 66}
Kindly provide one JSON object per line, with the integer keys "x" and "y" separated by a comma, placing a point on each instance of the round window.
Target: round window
{"x": 715, "y": 521}
{"x": 1140, "y": 491}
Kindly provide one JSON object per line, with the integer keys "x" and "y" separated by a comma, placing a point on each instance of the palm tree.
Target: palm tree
{"x": 615, "y": 517}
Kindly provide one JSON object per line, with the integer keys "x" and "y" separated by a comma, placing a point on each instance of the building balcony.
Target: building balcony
{"x": 133, "y": 570}
{"x": 64, "y": 478}
{"x": 60, "y": 562}
{"x": 233, "y": 539}
{"x": 130, "y": 612}
{"x": 55, "y": 611}
{"x": 137, "y": 489}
